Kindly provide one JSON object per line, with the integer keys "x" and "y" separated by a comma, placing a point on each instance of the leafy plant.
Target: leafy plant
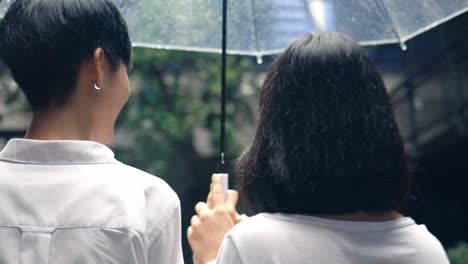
{"x": 459, "y": 253}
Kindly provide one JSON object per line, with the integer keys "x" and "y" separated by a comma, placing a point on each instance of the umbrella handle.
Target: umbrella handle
{"x": 224, "y": 183}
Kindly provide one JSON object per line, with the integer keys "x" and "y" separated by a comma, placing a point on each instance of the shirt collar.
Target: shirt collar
{"x": 56, "y": 152}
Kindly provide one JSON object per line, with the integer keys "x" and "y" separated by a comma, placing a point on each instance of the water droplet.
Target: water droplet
{"x": 259, "y": 59}
{"x": 403, "y": 46}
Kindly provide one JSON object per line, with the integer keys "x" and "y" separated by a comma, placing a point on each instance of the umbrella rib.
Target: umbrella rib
{"x": 395, "y": 31}
{"x": 436, "y": 23}
{"x": 254, "y": 28}
{"x": 306, "y": 3}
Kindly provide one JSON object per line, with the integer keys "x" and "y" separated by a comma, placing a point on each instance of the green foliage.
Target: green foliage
{"x": 459, "y": 253}
{"x": 176, "y": 92}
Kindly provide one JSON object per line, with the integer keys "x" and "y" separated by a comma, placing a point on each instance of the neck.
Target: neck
{"x": 58, "y": 124}
{"x": 366, "y": 217}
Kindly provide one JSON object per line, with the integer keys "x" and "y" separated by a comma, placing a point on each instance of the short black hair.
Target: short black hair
{"x": 44, "y": 42}
{"x": 327, "y": 140}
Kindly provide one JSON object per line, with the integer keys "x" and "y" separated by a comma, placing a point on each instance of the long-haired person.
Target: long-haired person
{"x": 64, "y": 197}
{"x": 326, "y": 173}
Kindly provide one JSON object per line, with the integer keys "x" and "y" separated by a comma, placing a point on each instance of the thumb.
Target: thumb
{"x": 232, "y": 198}
{"x": 240, "y": 218}
{"x": 231, "y": 203}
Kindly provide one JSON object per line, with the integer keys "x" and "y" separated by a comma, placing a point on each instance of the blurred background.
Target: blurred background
{"x": 170, "y": 127}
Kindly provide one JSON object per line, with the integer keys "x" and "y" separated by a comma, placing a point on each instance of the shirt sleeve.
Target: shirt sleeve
{"x": 167, "y": 247}
{"x": 228, "y": 253}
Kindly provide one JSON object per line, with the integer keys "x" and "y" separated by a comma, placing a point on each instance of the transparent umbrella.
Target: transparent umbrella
{"x": 263, "y": 27}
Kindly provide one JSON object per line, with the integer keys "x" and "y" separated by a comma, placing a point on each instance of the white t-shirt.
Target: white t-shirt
{"x": 294, "y": 239}
{"x": 72, "y": 202}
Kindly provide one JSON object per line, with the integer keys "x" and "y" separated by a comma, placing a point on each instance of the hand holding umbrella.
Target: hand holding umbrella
{"x": 212, "y": 222}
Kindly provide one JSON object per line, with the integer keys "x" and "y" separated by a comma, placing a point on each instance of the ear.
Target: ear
{"x": 98, "y": 65}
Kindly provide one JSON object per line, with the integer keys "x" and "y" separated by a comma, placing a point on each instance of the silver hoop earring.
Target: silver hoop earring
{"x": 97, "y": 87}
{"x": 98, "y": 91}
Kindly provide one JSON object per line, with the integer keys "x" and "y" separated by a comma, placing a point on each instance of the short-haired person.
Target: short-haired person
{"x": 326, "y": 173}
{"x": 64, "y": 197}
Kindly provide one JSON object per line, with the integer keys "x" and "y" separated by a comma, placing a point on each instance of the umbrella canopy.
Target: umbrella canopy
{"x": 262, "y": 27}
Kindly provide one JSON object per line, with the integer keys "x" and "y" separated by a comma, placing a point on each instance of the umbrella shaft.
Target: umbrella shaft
{"x": 223, "y": 84}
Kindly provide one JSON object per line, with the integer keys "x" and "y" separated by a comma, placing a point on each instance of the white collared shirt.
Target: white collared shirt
{"x": 297, "y": 239}
{"x": 73, "y": 202}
